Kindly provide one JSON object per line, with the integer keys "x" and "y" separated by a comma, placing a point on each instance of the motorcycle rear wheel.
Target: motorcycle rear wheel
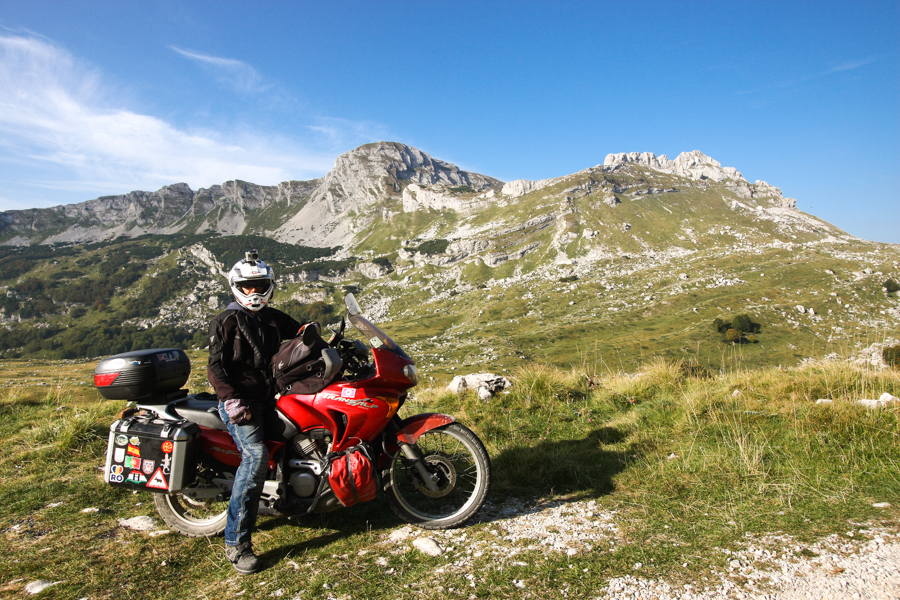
{"x": 465, "y": 478}
{"x": 193, "y": 518}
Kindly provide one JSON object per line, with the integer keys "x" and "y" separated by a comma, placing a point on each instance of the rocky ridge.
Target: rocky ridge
{"x": 372, "y": 182}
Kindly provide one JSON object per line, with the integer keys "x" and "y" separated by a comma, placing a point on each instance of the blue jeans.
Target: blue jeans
{"x": 249, "y": 477}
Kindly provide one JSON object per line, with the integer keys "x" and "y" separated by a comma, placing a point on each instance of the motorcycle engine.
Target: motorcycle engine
{"x": 304, "y": 483}
{"x": 310, "y": 449}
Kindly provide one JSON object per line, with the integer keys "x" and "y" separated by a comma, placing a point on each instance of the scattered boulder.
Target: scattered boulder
{"x": 36, "y": 587}
{"x": 401, "y": 534}
{"x": 882, "y": 401}
{"x": 428, "y": 546}
{"x": 142, "y": 523}
{"x": 486, "y": 385}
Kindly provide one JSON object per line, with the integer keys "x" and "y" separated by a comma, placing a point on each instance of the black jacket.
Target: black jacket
{"x": 241, "y": 344}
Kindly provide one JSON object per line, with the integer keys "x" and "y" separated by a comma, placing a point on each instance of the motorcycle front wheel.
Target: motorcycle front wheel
{"x": 463, "y": 467}
{"x": 190, "y": 517}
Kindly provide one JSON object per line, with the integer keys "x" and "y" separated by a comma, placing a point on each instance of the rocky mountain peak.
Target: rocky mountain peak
{"x": 364, "y": 178}
{"x": 367, "y": 174}
{"x": 693, "y": 165}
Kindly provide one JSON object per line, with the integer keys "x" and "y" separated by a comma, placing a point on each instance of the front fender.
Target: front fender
{"x": 411, "y": 428}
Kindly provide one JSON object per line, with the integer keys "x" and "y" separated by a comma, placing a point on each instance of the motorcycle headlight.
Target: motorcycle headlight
{"x": 411, "y": 373}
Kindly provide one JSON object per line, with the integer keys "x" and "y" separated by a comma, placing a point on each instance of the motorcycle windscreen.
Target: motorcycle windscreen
{"x": 375, "y": 336}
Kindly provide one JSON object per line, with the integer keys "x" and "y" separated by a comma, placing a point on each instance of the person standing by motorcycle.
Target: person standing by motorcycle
{"x": 242, "y": 340}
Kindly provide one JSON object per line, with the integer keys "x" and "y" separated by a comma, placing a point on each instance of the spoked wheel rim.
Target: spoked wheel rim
{"x": 463, "y": 469}
{"x": 197, "y": 512}
{"x": 190, "y": 516}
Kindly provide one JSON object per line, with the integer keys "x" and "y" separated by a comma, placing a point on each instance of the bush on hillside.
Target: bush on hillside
{"x": 891, "y": 286}
{"x": 738, "y": 329}
{"x": 433, "y": 246}
{"x": 891, "y": 356}
{"x": 315, "y": 311}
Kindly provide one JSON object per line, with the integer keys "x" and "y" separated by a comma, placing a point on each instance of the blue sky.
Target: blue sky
{"x": 101, "y": 98}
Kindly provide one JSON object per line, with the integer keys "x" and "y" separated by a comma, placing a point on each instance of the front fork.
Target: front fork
{"x": 413, "y": 454}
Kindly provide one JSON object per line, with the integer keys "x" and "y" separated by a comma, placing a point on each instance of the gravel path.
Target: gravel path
{"x": 862, "y": 564}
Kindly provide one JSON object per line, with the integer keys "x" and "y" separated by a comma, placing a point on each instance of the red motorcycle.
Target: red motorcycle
{"x": 434, "y": 471}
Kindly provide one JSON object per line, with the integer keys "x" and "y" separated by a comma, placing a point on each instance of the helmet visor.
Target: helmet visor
{"x": 260, "y": 286}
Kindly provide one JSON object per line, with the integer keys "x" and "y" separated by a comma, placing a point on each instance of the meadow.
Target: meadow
{"x": 683, "y": 462}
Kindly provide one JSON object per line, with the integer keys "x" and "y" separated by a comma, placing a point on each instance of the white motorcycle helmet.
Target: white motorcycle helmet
{"x": 252, "y": 273}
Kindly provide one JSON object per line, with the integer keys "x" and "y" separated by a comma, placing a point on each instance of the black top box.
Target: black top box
{"x": 142, "y": 374}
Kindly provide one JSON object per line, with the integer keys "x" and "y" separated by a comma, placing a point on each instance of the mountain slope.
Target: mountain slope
{"x": 636, "y": 256}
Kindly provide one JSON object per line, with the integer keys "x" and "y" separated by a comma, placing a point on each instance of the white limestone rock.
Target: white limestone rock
{"x": 486, "y": 385}
{"x": 142, "y": 523}
{"x": 694, "y": 165}
{"x": 520, "y": 187}
{"x": 428, "y": 546}
{"x": 36, "y": 587}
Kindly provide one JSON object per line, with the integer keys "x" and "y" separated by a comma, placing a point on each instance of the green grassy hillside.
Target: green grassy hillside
{"x": 662, "y": 476}
{"x": 618, "y": 264}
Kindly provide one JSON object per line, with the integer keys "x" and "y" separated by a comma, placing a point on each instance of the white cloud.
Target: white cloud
{"x": 342, "y": 133}
{"x": 851, "y": 65}
{"x": 58, "y": 131}
{"x": 231, "y": 72}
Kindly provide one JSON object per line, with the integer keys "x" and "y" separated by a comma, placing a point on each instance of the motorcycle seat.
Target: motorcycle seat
{"x": 204, "y": 413}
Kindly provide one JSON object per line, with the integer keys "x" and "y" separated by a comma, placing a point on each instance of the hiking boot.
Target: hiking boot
{"x": 243, "y": 559}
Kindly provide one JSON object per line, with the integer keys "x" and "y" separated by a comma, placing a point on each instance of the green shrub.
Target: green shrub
{"x": 433, "y": 246}
{"x": 892, "y": 356}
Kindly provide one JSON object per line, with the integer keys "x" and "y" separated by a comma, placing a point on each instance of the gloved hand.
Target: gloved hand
{"x": 238, "y": 410}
